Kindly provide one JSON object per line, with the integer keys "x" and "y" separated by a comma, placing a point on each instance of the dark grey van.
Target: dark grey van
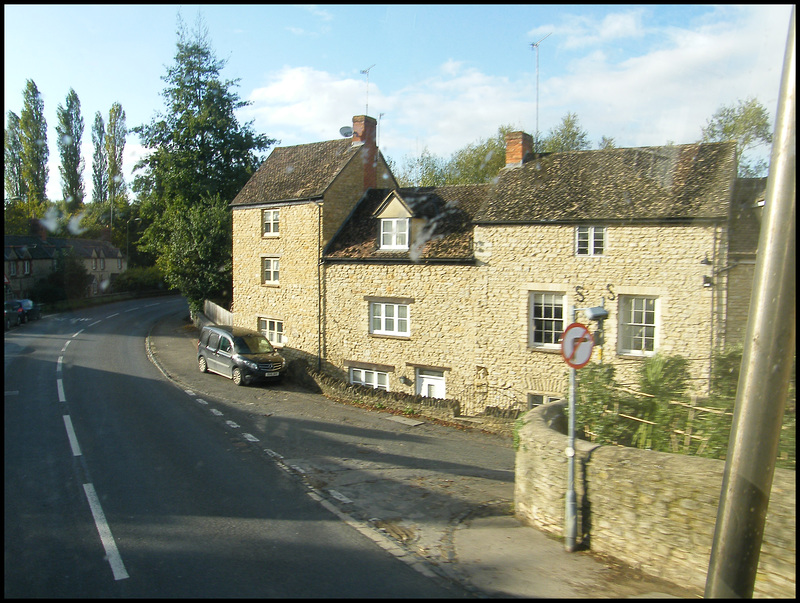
{"x": 239, "y": 354}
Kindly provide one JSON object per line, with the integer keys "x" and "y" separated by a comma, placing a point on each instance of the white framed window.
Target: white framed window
{"x": 270, "y": 271}
{"x": 26, "y": 267}
{"x": 539, "y": 399}
{"x": 94, "y": 263}
{"x": 389, "y": 319}
{"x": 546, "y": 324}
{"x": 119, "y": 263}
{"x": 373, "y": 379}
{"x": 638, "y": 324}
{"x": 102, "y": 263}
{"x": 431, "y": 383}
{"x": 272, "y": 330}
{"x": 12, "y": 269}
{"x": 590, "y": 240}
{"x": 270, "y": 220}
{"x": 394, "y": 233}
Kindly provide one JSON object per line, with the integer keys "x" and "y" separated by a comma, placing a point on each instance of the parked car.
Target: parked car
{"x": 240, "y": 354}
{"x": 30, "y": 309}
{"x": 11, "y": 316}
{"x": 14, "y": 307}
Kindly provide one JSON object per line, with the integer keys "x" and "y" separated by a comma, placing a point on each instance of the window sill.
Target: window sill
{"x": 271, "y": 285}
{"x": 632, "y": 356}
{"x": 554, "y": 350}
{"x": 388, "y": 336}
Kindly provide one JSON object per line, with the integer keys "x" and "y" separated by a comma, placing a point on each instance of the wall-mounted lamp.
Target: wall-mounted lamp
{"x": 405, "y": 380}
{"x": 705, "y": 261}
{"x": 708, "y": 282}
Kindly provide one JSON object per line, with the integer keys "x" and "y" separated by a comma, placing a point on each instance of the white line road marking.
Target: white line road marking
{"x": 95, "y": 323}
{"x": 339, "y": 496}
{"x": 78, "y": 333}
{"x": 64, "y": 349}
{"x": 201, "y": 401}
{"x": 232, "y": 424}
{"x": 112, "y": 554}
{"x": 112, "y": 316}
{"x": 131, "y": 310}
{"x": 59, "y": 368}
{"x": 248, "y": 436}
{"x": 73, "y": 440}
{"x": 189, "y": 392}
{"x": 61, "y": 396}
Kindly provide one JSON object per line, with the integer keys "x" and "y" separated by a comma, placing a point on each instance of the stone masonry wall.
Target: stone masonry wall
{"x": 653, "y": 510}
{"x": 654, "y": 260}
{"x": 442, "y": 302}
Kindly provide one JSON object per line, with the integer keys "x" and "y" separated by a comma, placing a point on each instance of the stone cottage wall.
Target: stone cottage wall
{"x": 653, "y": 510}
{"x": 657, "y": 260}
{"x": 443, "y": 301}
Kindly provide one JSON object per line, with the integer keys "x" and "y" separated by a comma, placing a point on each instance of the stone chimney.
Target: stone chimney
{"x": 518, "y": 145}
{"x": 364, "y": 130}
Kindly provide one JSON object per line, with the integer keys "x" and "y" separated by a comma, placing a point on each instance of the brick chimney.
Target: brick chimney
{"x": 364, "y": 130}
{"x": 518, "y": 144}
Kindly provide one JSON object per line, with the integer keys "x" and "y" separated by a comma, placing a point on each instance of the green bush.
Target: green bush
{"x": 139, "y": 279}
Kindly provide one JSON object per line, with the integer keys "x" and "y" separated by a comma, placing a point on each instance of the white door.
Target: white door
{"x": 430, "y": 384}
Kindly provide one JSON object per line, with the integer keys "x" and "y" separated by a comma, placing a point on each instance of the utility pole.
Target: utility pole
{"x": 366, "y": 72}
{"x": 535, "y": 46}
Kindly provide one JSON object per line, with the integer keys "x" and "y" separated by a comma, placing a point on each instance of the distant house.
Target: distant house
{"x": 30, "y": 258}
{"x": 464, "y": 291}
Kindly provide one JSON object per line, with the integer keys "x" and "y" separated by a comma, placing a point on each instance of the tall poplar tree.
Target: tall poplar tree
{"x": 70, "y": 134}
{"x": 12, "y": 159}
{"x": 33, "y": 139}
{"x": 748, "y": 124}
{"x": 116, "y": 132}
{"x": 568, "y": 136}
{"x": 200, "y": 155}
{"x": 99, "y": 161}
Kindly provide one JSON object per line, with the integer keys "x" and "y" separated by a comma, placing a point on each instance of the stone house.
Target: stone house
{"x": 463, "y": 291}
{"x": 282, "y": 218}
{"x": 30, "y": 258}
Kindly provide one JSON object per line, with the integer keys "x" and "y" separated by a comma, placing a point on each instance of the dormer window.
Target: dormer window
{"x": 394, "y": 233}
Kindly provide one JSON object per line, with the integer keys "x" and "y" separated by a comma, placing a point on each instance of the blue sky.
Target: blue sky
{"x": 444, "y": 75}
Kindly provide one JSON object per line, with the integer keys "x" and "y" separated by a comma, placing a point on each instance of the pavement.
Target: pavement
{"x": 404, "y": 483}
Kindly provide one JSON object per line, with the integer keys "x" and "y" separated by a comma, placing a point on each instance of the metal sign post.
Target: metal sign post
{"x": 576, "y": 348}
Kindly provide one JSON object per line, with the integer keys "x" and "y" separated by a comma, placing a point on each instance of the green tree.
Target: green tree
{"x": 606, "y": 143}
{"x": 426, "y": 169}
{"x": 568, "y": 136}
{"x": 70, "y": 134}
{"x": 12, "y": 159}
{"x": 99, "y": 161}
{"x": 116, "y": 132}
{"x": 34, "y": 151}
{"x": 198, "y": 150}
{"x": 746, "y": 122}
{"x": 480, "y": 161}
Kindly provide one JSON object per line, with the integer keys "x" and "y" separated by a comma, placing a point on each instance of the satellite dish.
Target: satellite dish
{"x": 346, "y": 131}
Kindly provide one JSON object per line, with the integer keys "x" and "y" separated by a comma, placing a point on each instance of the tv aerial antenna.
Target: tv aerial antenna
{"x": 535, "y": 46}
{"x": 366, "y": 72}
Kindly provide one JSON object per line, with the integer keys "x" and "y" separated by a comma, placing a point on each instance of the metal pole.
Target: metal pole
{"x": 571, "y": 513}
{"x": 766, "y": 367}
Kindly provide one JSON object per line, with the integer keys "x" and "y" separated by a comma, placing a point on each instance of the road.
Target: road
{"x": 117, "y": 484}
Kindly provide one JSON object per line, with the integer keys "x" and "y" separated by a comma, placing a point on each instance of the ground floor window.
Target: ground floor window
{"x": 539, "y": 399}
{"x": 637, "y": 319}
{"x": 430, "y": 383}
{"x": 374, "y": 379}
{"x": 272, "y": 330}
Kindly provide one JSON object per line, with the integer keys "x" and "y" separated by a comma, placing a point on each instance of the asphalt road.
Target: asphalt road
{"x": 117, "y": 484}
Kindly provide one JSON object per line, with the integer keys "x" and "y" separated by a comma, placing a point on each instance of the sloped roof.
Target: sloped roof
{"x": 298, "y": 172}
{"x": 646, "y": 183}
{"x": 37, "y": 248}
{"x": 447, "y": 234}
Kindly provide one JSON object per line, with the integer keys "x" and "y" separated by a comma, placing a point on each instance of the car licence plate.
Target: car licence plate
{"x": 271, "y": 374}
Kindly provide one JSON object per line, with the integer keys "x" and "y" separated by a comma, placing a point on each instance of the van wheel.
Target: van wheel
{"x": 237, "y": 376}
{"x": 201, "y": 364}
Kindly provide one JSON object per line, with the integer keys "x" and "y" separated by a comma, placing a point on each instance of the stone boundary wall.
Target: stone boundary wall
{"x": 652, "y": 510}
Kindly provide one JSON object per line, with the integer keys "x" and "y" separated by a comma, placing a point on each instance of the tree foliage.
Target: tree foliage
{"x": 567, "y": 136}
{"x": 198, "y": 151}
{"x": 116, "y": 132}
{"x": 34, "y": 151}
{"x": 12, "y": 159}
{"x": 70, "y": 134}
{"x": 99, "y": 161}
{"x": 747, "y": 122}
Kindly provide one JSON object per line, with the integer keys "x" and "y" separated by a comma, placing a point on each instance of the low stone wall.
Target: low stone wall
{"x": 652, "y": 510}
